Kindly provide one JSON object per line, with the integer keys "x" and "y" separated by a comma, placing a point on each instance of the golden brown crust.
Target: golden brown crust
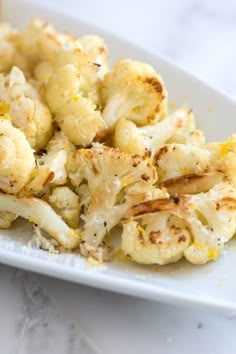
{"x": 155, "y": 83}
{"x": 192, "y": 183}
{"x": 172, "y": 204}
{"x": 227, "y": 202}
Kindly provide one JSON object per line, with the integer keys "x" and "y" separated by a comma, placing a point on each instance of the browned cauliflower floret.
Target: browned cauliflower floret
{"x": 107, "y": 172}
{"x": 74, "y": 112}
{"x": 23, "y": 103}
{"x": 159, "y": 239}
{"x": 38, "y": 42}
{"x": 224, "y": 157}
{"x": 162, "y": 231}
{"x": 66, "y": 203}
{"x": 50, "y": 166}
{"x": 16, "y": 158}
{"x": 133, "y": 91}
{"x": 179, "y": 127}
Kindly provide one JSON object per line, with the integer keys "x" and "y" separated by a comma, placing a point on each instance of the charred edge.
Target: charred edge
{"x": 181, "y": 180}
{"x": 161, "y": 152}
{"x": 227, "y": 202}
{"x": 154, "y": 237}
{"x": 49, "y": 178}
{"x": 101, "y": 50}
{"x": 52, "y": 37}
{"x": 182, "y": 238}
{"x": 145, "y": 177}
{"x": 153, "y": 206}
{"x": 141, "y": 238}
{"x": 155, "y": 83}
{"x": 94, "y": 169}
{"x": 179, "y": 123}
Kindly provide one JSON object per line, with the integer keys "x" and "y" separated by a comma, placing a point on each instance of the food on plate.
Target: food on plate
{"x": 86, "y": 148}
{"x": 134, "y": 91}
{"x": 16, "y": 157}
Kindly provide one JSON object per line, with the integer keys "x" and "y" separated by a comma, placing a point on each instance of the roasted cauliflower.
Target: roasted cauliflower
{"x": 174, "y": 160}
{"x": 6, "y": 219}
{"x": 224, "y": 157}
{"x": 50, "y": 168}
{"x": 85, "y": 151}
{"x": 97, "y": 52}
{"x": 9, "y": 55}
{"x": 162, "y": 231}
{"x": 16, "y": 157}
{"x": 133, "y": 91}
{"x": 179, "y": 127}
{"x": 22, "y": 102}
{"x": 66, "y": 203}
{"x": 107, "y": 172}
{"x": 41, "y": 213}
{"x": 74, "y": 112}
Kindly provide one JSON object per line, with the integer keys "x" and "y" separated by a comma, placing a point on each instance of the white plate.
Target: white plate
{"x": 212, "y": 285}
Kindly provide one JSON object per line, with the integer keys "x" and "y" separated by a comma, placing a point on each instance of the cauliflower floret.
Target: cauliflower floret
{"x": 224, "y": 157}
{"x": 95, "y": 48}
{"x": 80, "y": 122}
{"x": 97, "y": 52}
{"x": 213, "y": 222}
{"x": 42, "y": 214}
{"x": 38, "y": 42}
{"x": 22, "y": 102}
{"x": 179, "y": 127}
{"x": 50, "y": 168}
{"x": 75, "y": 114}
{"x": 66, "y": 203}
{"x": 86, "y": 72}
{"x": 6, "y": 219}
{"x": 159, "y": 239}
{"x": 107, "y": 172}
{"x": 133, "y": 91}
{"x": 63, "y": 87}
{"x": 10, "y": 56}
{"x": 196, "y": 227}
{"x": 16, "y": 158}
{"x": 174, "y": 160}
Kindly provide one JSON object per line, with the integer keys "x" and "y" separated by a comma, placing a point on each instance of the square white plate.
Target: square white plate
{"x": 212, "y": 285}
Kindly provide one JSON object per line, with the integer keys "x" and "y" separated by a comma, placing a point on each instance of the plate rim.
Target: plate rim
{"x": 134, "y": 287}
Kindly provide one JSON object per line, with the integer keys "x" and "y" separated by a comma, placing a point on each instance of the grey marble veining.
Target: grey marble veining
{"x": 39, "y": 326}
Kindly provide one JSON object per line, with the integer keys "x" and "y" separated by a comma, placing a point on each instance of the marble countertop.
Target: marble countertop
{"x": 41, "y": 315}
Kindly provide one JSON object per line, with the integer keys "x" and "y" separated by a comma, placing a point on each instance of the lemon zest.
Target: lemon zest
{"x": 213, "y": 254}
{"x": 4, "y": 107}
